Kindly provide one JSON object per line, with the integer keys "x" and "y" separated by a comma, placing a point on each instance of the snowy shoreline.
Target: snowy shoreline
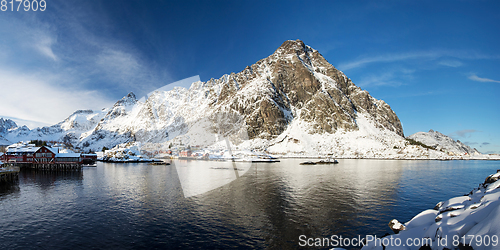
{"x": 471, "y": 221}
{"x": 493, "y": 158}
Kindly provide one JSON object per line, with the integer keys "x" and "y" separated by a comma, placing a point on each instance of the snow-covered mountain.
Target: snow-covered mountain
{"x": 292, "y": 103}
{"x": 295, "y": 86}
{"x": 443, "y": 143}
{"x": 68, "y": 131}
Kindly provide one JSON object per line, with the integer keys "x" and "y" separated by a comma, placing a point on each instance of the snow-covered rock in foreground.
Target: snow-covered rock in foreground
{"x": 443, "y": 143}
{"x": 472, "y": 220}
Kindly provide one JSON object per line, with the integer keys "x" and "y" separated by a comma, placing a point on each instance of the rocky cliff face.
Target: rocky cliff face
{"x": 296, "y": 82}
{"x": 6, "y": 125}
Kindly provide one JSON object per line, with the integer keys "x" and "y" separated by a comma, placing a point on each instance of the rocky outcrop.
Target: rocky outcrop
{"x": 296, "y": 82}
{"x": 6, "y": 125}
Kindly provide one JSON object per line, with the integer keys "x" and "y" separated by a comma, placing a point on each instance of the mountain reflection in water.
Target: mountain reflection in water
{"x": 130, "y": 206}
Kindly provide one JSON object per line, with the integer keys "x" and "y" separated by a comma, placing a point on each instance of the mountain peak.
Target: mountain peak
{"x": 127, "y": 100}
{"x": 292, "y": 47}
{"x": 130, "y": 95}
{"x": 6, "y": 124}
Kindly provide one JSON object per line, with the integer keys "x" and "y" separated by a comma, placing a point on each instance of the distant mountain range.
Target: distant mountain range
{"x": 293, "y": 102}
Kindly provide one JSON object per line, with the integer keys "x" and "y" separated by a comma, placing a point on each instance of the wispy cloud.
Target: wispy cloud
{"x": 383, "y": 58}
{"x": 393, "y": 77}
{"x": 451, "y": 63}
{"x": 50, "y": 70}
{"x": 470, "y": 143}
{"x": 476, "y": 78}
{"x": 463, "y": 133}
{"x": 44, "y": 47}
{"x": 37, "y": 98}
{"x": 421, "y": 55}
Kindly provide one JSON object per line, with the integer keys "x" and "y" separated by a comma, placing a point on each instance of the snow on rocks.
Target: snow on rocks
{"x": 396, "y": 226}
{"x": 126, "y": 152}
{"x": 462, "y": 222}
{"x": 443, "y": 143}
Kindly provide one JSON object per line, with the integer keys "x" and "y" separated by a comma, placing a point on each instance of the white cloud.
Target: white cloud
{"x": 422, "y": 55}
{"x": 393, "y": 77}
{"x": 47, "y": 71}
{"x": 451, "y": 63}
{"x": 385, "y": 58}
{"x": 28, "y": 38}
{"x": 476, "y": 78}
{"x": 37, "y": 98}
{"x": 119, "y": 65}
{"x": 43, "y": 45}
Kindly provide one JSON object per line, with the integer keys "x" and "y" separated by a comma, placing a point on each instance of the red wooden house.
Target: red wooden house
{"x": 44, "y": 155}
{"x": 186, "y": 153}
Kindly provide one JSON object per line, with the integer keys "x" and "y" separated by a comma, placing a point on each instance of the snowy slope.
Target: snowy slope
{"x": 4, "y": 141}
{"x": 443, "y": 143}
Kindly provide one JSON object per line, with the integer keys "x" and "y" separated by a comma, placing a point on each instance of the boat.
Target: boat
{"x": 268, "y": 160}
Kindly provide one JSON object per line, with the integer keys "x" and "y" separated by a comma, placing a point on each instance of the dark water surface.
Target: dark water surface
{"x": 137, "y": 206}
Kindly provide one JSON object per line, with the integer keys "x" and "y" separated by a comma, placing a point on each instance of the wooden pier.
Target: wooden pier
{"x": 9, "y": 175}
{"x": 54, "y": 166}
{"x": 63, "y": 166}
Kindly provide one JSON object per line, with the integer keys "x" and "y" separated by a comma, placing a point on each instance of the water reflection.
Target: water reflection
{"x": 130, "y": 206}
{"x": 44, "y": 179}
{"x": 9, "y": 188}
{"x": 199, "y": 177}
{"x": 278, "y": 203}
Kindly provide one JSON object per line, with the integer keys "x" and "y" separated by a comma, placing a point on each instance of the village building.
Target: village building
{"x": 186, "y": 153}
{"x": 89, "y": 158}
{"x": 44, "y": 157}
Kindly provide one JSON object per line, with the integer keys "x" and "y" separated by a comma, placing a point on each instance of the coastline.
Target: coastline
{"x": 482, "y": 157}
{"x": 309, "y": 157}
{"x": 471, "y": 221}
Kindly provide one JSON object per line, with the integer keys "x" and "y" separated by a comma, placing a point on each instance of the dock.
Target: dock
{"x": 28, "y": 156}
{"x": 56, "y": 166}
{"x": 9, "y": 175}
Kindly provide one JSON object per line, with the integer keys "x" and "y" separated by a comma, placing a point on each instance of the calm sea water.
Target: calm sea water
{"x": 137, "y": 206}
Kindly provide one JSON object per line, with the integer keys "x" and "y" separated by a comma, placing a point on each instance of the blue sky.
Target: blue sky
{"x": 435, "y": 62}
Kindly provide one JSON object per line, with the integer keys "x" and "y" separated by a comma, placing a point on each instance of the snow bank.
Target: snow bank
{"x": 472, "y": 220}
{"x": 126, "y": 152}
